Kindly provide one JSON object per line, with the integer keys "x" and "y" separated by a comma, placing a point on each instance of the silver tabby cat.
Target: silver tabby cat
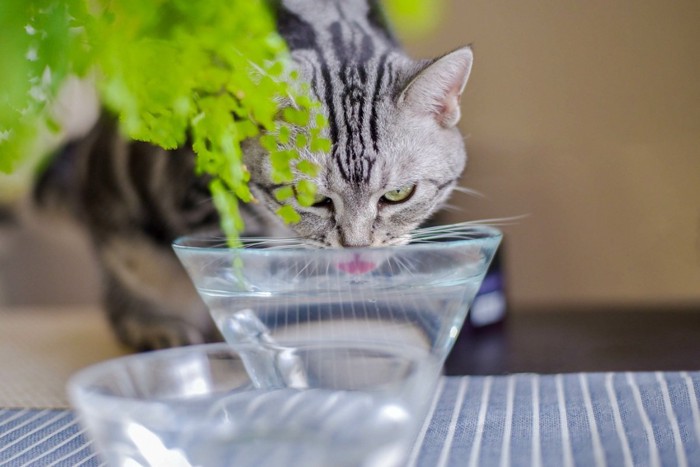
{"x": 396, "y": 156}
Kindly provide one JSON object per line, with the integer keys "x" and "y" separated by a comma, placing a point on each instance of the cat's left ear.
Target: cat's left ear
{"x": 436, "y": 90}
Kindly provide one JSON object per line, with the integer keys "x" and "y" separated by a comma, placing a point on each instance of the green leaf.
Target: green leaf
{"x": 243, "y": 192}
{"x": 299, "y": 117}
{"x": 284, "y": 193}
{"x": 52, "y": 125}
{"x": 319, "y": 144}
{"x": 321, "y": 120}
{"x": 246, "y": 129}
{"x": 301, "y": 141}
{"x": 415, "y": 17}
{"x": 306, "y": 192}
{"x": 268, "y": 142}
{"x": 284, "y": 135}
{"x": 227, "y": 206}
{"x": 282, "y": 176}
{"x": 307, "y": 168}
{"x": 276, "y": 69}
{"x": 288, "y": 214}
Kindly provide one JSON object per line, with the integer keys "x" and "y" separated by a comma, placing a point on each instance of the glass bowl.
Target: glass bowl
{"x": 273, "y": 291}
{"x": 340, "y": 403}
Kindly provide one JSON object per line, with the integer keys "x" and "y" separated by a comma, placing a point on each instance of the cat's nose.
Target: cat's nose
{"x": 345, "y": 243}
{"x": 352, "y": 241}
{"x": 355, "y": 230}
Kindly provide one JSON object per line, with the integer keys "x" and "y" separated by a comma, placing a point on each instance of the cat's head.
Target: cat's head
{"x": 396, "y": 151}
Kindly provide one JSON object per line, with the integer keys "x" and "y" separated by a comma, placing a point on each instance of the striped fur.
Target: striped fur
{"x": 392, "y": 127}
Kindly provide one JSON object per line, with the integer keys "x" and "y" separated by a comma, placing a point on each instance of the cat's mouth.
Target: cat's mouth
{"x": 356, "y": 265}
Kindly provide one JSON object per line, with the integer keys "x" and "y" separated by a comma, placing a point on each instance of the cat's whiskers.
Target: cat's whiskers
{"x": 274, "y": 243}
{"x": 460, "y": 230}
{"x": 304, "y": 268}
{"x": 389, "y": 263}
{"x": 422, "y": 235}
{"x": 468, "y": 191}
{"x": 398, "y": 241}
{"x": 402, "y": 264}
{"x": 452, "y": 208}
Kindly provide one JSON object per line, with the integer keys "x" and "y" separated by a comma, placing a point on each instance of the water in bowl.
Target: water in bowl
{"x": 425, "y": 316}
{"x": 360, "y": 405}
{"x": 305, "y": 427}
{"x": 271, "y": 292}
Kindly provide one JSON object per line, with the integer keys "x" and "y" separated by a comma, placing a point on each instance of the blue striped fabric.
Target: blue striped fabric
{"x": 584, "y": 419}
{"x": 43, "y": 438}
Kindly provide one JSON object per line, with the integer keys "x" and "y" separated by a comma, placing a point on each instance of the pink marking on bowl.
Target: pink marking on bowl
{"x": 356, "y": 265}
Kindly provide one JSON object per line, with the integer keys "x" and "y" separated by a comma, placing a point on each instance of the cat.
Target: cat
{"x": 396, "y": 156}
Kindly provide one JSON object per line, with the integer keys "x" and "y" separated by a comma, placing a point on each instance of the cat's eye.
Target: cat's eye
{"x": 399, "y": 195}
{"x": 321, "y": 201}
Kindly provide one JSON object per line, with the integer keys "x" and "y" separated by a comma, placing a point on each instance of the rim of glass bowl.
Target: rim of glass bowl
{"x": 83, "y": 386}
{"x": 461, "y": 234}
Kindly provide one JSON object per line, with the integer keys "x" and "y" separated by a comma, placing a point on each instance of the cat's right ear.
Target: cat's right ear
{"x": 436, "y": 90}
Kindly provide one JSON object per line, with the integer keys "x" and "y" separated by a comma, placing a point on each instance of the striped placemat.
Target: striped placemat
{"x": 583, "y": 419}
{"x": 42, "y": 438}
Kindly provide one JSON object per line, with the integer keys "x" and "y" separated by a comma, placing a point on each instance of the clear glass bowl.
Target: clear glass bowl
{"x": 273, "y": 291}
{"x": 340, "y": 404}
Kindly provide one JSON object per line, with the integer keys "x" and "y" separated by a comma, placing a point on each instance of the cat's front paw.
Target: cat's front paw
{"x": 161, "y": 333}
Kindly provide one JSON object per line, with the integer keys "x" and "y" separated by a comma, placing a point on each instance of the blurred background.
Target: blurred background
{"x": 584, "y": 117}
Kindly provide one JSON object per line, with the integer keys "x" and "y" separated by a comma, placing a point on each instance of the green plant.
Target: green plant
{"x": 212, "y": 73}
